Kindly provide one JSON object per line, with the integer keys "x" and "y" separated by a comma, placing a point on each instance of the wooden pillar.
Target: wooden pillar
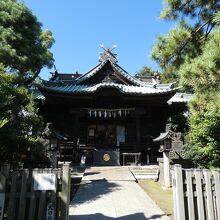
{"x": 76, "y": 126}
{"x": 148, "y": 158}
{"x": 138, "y": 132}
{"x": 74, "y": 121}
{"x": 166, "y": 164}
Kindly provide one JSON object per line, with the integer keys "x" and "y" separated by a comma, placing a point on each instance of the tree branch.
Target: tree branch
{"x": 209, "y": 30}
{"x": 186, "y": 3}
{"x": 193, "y": 33}
{"x": 30, "y": 80}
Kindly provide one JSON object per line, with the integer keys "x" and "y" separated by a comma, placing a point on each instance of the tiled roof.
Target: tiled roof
{"x": 67, "y": 77}
{"x": 80, "y": 89}
{"x": 180, "y": 98}
{"x": 125, "y": 74}
{"x": 37, "y": 94}
{"x": 80, "y": 86}
{"x": 40, "y": 97}
{"x": 91, "y": 72}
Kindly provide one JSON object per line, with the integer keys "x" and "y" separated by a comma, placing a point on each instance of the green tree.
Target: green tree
{"x": 24, "y": 47}
{"x": 24, "y": 50}
{"x": 146, "y": 71}
{"x": 190, "y": 55}
{"x": 20, "y": 125}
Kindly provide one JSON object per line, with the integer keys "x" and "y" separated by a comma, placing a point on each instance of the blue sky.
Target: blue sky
{"x": 80, "y": 26}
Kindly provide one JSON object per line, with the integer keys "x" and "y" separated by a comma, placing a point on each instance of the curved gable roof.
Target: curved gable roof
{"x": 107, "y": 74}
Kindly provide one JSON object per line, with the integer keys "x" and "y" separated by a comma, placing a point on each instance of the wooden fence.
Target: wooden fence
{"x": 196, "y": 194}
{"x": 34, "y": 194}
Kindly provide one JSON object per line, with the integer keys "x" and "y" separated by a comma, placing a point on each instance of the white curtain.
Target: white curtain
{"x": 120, "y": 134}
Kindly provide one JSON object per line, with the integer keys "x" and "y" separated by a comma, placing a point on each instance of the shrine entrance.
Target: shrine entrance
{"x": 107, "y": 109}
{"x": 105, "y": 135}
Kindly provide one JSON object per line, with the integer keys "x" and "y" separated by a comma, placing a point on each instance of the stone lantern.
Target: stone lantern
{"x": 169, "y": 141}
{"x": 54, "y": 138}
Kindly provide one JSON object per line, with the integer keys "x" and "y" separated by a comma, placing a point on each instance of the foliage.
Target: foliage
{"x": 195, "y": 9}
{"x": 170, "y": 56}
{"x": 204, "y": 135}
{"x": 179, "y": 123}
{"x": 196, "y": 21}
{"x": 203, "y": 72}
{"x": 24, "y": 50}
{"x": 20, "y": 124}
{"x": 23, "y": 44}
{"x": 146, "y": 71}
{"x": 189, "y": 54}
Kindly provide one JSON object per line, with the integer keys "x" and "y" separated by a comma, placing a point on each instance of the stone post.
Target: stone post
{"x": 166, "y": 166}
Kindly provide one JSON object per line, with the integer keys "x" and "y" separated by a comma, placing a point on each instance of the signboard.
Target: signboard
{"x": 91, "y": 132}
{"x": 2, "y": 203}
{"x": 50, "y": 212}
{"x": 44, "y": 181}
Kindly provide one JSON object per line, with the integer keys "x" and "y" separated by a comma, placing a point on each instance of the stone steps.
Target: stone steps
{"x": 146, "y": 172}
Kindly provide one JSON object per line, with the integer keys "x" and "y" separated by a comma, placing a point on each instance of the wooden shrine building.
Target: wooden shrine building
{"x": 107, "y": 108}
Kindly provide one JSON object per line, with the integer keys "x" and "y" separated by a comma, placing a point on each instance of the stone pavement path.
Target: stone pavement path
{"x": 110, "y": 173}
{"x": 102, "y": 197}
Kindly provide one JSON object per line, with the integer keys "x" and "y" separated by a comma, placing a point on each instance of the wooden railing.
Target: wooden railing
{"x": 34, "y": 194}
{"x": 196, "y": 194}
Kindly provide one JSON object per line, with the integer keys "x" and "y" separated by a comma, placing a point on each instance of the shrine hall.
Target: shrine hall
{"x": 108, "y": 112}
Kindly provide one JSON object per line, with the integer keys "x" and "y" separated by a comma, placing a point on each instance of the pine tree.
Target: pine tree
{"x": 24, "y": 50}
{"x": 189, "y": 54}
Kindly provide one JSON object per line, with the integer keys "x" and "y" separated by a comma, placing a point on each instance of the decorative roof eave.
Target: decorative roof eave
{"x": 96, "y": 69}
{"x": 91, "y": 72}
{"x": 139, "y": 82}
{"x": 37, "y": 94}
{"x": 124, "y": 74}
{"x": 90, "y": 89}
{"x": 181, "y": 98}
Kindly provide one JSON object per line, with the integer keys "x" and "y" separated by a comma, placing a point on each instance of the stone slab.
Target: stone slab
{"x": 109, "y": 173}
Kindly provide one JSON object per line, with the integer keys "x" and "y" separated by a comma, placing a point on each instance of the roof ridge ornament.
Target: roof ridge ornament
{"x": 108, "y": 54}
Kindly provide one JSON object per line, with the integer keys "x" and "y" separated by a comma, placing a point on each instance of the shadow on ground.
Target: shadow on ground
{"x": 94, "y": 190}
{"x": 91, "y": 173}
{"x": 99, "y": 216}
